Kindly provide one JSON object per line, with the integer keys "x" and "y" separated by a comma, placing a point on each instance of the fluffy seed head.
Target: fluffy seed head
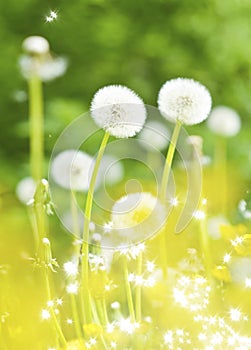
{"x": 36, "y": 45}
{"x": 138, "y": 214}
{"x": 118, "y": 110}
{"x": 224, "y": 121}
{"x": 71, "y": 170}
{"x": 184, "y": 100}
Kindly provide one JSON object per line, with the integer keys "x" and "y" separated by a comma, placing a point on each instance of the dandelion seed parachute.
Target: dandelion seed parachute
{"x": 184, "y": 100}
{"x": 118, "y": 110}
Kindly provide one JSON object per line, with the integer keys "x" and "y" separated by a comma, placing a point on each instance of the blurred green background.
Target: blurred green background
{"x": 137, "y": 43}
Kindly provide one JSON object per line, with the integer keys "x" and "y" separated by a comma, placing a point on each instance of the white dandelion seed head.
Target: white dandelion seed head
{"x": 137, "y": 213}
{"x": 118, "y": 110}
{"x": 154, "y": 135}
{"x": 47, "y": 69}
{"x": 224, "y": 121}
{"x": 184, "y": 100}
{"x": 36, "y": 45}
{"x": 25, "y": 190}
{"x": 70, "y": 169}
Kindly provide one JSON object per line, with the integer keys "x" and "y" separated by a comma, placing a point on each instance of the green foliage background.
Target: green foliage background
{"x": 137, "y": 43}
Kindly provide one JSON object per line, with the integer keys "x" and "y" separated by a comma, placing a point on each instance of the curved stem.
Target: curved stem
{"x": 169, "y": 160}
{"x": 85, "y": 244}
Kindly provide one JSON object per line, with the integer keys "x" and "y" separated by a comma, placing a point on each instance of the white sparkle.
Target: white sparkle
{"x": 45, "y": 314}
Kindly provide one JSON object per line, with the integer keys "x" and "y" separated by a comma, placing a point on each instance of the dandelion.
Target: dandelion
{"x": 184, "y": 100}
{"x": 224, "y": 121}
{"x": 137, "y": 215}
{"x": 118, "y": 110}
{"x": 25, "y": 190}
{"x": 71, "y": 169}
{"x": 36, "y": 45}
{"x": 47, "y": 69}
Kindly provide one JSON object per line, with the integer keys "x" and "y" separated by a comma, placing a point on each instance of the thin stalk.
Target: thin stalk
{"x": 128, "y": 290}
{"x": 76, "y": 318}
{"x": 74, "y": 214}
{"x": 36, "y": 127}
{"x": 138, "y": 288}
{"x": 169, "y": 160}
{"x": 205, "y": 247}
{"x": 221, "y": 172}
{"x": 85, "y": 244}
{"x": 54, "y": 317}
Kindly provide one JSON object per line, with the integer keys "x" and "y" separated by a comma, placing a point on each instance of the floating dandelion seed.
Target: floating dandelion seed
{"x": 69, "y": 321}
{"x": 50, "y": 303}
{"x": 59, "y": 301}
{"x": 118, "y": 110}
{"x": 184, "y": 100}
{"x": 227, "y": 258}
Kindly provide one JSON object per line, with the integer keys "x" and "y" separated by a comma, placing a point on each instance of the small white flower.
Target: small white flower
{"x": 36, "y": 45}
{"x": 25, "y": 190}
{"x": 154, "y": 135}
{"x": 71, "y": 170}
{"x": 118, "y": 110}
{"x": 184, "y": 100}
{"x": 224, "y": 121}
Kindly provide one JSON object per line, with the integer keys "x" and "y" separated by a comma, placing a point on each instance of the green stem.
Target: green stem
{"x": 36, "y": 127}
{"x": 205, "y": 247}
{"x": 221, "y": 172}
{"x": 74, "y": 214}
{"x": 85, "y": 244}
{"x": 54, "y": 317}
{"x": 138, "y": 289}
{"x": 76, "y": 318}
{"x": 169, "y": 160}
{"x": 128, "y": 290}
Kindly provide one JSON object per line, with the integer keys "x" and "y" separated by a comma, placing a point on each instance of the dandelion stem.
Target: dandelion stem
{"x": 169, "y": 160}
{"x": 221, "y": 172}
{"x": 138, "y": 288}
{"x": 128, "y": 290}
{"x": 75, "y": 317}
{"x": 74, "y": 214}
{"x": 85, "y": 244}
{"x": 36, "y": 127}
{"x": 54, "y": 317}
